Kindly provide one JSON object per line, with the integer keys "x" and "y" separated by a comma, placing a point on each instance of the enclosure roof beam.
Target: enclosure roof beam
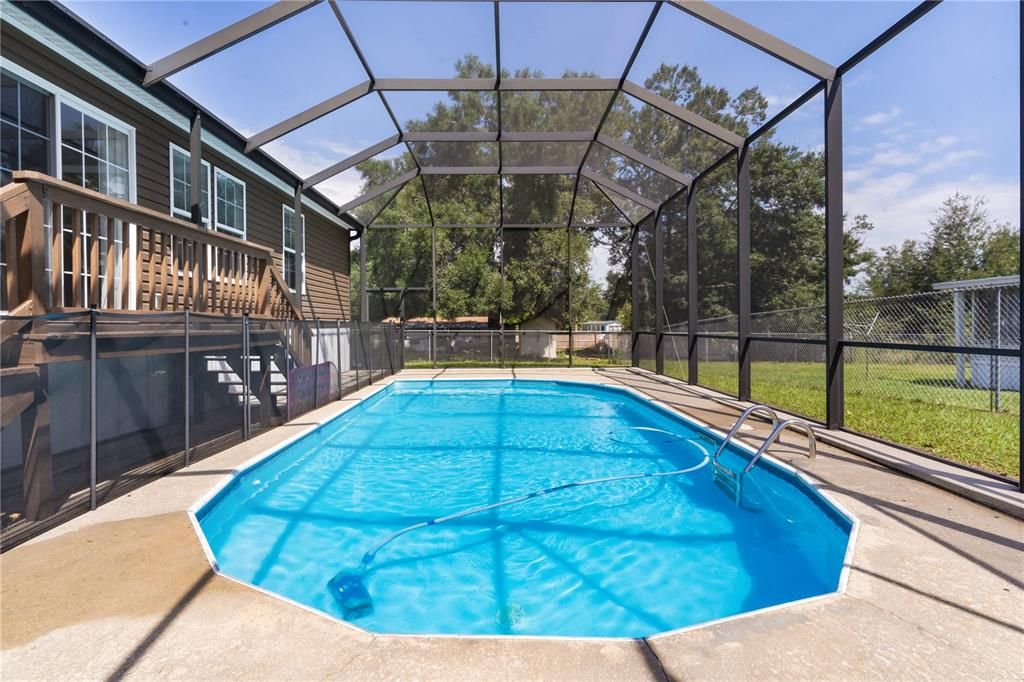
{"x": 309, "y": 115}
{"x": 683, "y": 114}
{"x": 619, "y": 189}
{"x": 539, "y": 170}
{"x": 625, "y": 150}
{"x": 460, "y": 170}
{"x": 888, "y": 34}
{"x": 351, "y": 161}
{"x": 755, "y": 37}
{"x": 224, "y": 38}
{"x": 641, "y": 39}
{"x": 558, "y": 84}
{"x": 378, "y": 190}
{"x": 484, "y": 136}
{"x": 432, "y": 84}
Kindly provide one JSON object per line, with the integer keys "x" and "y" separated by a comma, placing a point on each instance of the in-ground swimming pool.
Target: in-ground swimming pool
{"x": 619, "y": 559}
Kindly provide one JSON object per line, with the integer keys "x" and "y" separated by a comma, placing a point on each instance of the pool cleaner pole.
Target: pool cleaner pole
{"x": 352, "y": 595}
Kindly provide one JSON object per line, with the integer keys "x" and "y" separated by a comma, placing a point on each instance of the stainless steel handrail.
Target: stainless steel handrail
{"x": 812, "y": 443}
{"x": 739, "y": 422}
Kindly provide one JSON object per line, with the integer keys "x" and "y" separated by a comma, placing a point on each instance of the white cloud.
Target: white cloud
{"x": 938, "y": 144}
{"x": 893, "y": 157}
{"x": 950, "y": 159}
{"x": 881, "y": 117}
{"x": 339, "y": 189}
{"x": 901, "y": 206}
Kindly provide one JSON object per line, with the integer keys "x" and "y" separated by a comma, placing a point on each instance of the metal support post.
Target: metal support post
{"x": 834, "y": 267}
{"x": 298, "y": 228}
{"x": 195, "y": 150}
{"x": 659, "y": 295}
{"x": 337, "y": 352}
{"x": 92, "y": 407}
{"x": 743, "y": 269}
{"x": 364, "y": 296}
{"x": 188, "y": 390}
{"x": 316, "y": 365}
{"x": 691, "y": 284}
{"x": 568, "y": 284}
{"x": 634, "y": 269}
{"x": 433, "y": 295}
{"x": 246, "y": 426}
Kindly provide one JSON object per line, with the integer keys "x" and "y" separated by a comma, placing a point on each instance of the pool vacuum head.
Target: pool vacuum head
{"x": 350, "y": 593}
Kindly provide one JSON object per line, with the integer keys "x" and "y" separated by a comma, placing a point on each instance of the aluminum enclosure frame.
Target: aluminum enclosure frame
{"x": 828, "y": 85}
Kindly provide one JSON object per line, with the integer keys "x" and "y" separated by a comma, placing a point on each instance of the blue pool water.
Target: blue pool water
{"x": 627, "y": 558}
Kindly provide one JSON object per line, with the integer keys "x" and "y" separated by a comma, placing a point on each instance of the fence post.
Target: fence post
{"x": 834, "y": 266}
{"x": 316, "y": 366}
{"x": 188, "y": 390}
{"x": 92, "y": 407}
{"x": 245, "y": 377}
{"x": 337, "y": 352}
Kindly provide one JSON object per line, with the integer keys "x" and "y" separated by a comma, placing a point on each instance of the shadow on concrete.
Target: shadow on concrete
{"x": 150, "y": 639}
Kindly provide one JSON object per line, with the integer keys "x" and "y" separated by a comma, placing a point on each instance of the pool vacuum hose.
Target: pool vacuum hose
{"x": 354, "y": 599}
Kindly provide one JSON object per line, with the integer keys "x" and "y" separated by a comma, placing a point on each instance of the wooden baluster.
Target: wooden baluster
{"x": 175, "y": 270}
{"x": 193, "y": 296}
{"x": 11, "y": 240}
{"x": 250, "y": 282}
{"x": 126, "y": 281}
{"x": 56, "y": 256}
{"x": 233, "y": 296}
{"x": 219, "y": 272}
{"x": 92, "y": 224}
{"x": 148, "y": 269}
{"x": 171, "y": 283}
{"x": 111, "y": 269}
{"x": 157, "y": 266}
{"x": 151, "y": 279}
{"x": 263, "y": 290}
{"x": 77, "y": 298}
{"x": 225, "y": 282}
{"x": 204, "y": 285}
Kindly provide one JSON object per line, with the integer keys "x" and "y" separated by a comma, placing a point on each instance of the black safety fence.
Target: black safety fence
{"x": 96, "y": 403}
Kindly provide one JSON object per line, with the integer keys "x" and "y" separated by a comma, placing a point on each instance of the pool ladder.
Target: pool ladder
{"x": 732, "y": 481}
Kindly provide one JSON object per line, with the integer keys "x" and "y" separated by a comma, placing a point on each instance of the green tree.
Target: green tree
{"x": 964, "y": 242}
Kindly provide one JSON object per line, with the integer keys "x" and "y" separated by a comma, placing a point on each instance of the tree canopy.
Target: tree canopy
{"x": 524, "y": 273}
{"x": 964, "y": 242}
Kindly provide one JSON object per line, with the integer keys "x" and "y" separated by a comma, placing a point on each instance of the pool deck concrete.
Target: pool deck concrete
{"x": 936, "y": 591}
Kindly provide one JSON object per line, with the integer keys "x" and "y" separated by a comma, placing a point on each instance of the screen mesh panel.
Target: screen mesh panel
{"x": 537, "y": 199}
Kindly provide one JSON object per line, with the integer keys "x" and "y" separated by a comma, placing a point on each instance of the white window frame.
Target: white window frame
{"x": 227, "y": 229}
{"x": 180, "y": 213}
{"x": 301, "y": 271}
{"x": 61, "y": 96}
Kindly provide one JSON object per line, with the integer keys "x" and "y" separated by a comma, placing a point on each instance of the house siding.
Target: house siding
{"x": 327, "y": 244}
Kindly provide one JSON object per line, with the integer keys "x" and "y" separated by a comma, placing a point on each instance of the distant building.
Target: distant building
{"x": 600, "y": 326}
{"x": 986, "y": 313}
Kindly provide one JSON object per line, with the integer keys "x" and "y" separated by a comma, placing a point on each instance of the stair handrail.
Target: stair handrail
{"x": 812, "y": 443}
{"x": 739, "y": 422}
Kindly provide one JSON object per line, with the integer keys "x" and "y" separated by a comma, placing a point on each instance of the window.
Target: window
{"x": 229, "y": 213}
{"x": 95, "y": 152}
{"x": 181, "y": 186}
{"x": 25, "y": 130}
{"x": 288, "y": 247}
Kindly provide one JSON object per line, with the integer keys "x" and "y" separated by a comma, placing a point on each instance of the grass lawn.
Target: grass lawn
{"x": 916, "y": 405}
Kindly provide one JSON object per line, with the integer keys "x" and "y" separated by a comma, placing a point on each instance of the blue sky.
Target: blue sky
{"x": 934, "y": 112}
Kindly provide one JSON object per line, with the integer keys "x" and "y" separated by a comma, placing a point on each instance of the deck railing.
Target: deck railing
{"x": 69, "y": 248}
